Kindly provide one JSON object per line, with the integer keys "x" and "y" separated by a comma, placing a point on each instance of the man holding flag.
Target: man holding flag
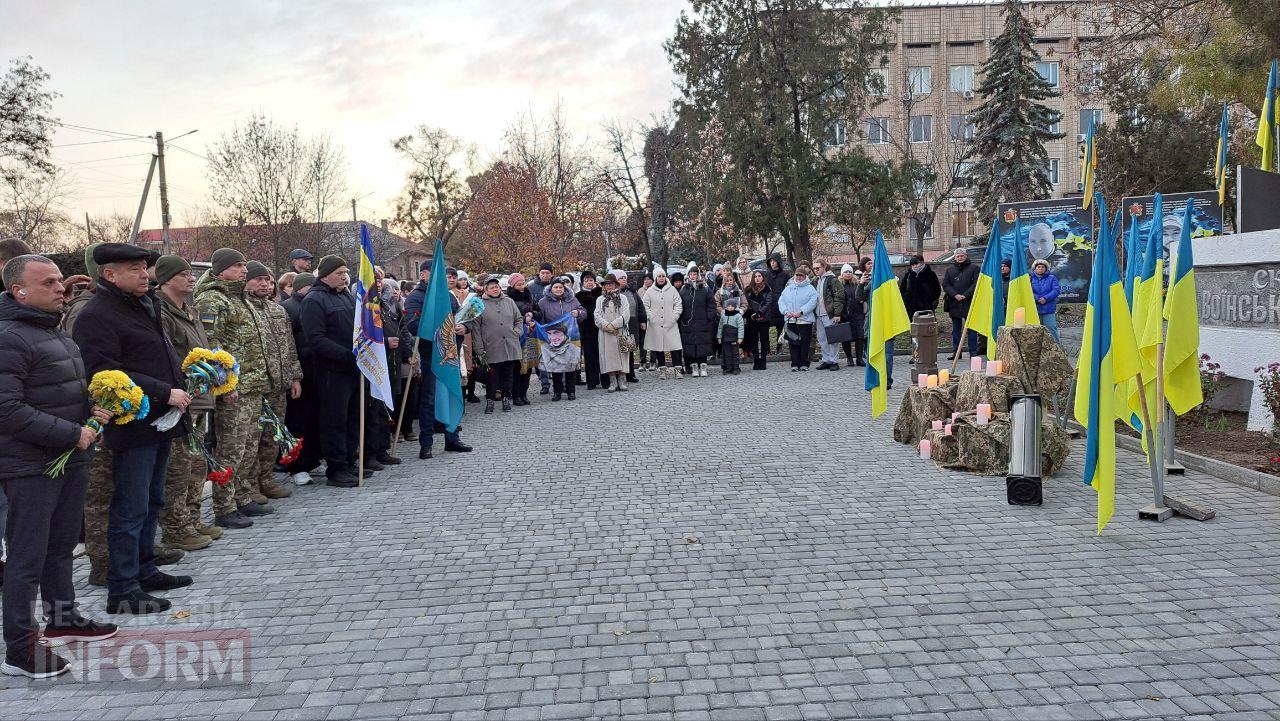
{"x": 327, "y": 318}
{"x": 1108, "y": 357}
{"x": 886, "y": 318}
{"x": 429, "y": 314}
{"x": 368, "y": 341}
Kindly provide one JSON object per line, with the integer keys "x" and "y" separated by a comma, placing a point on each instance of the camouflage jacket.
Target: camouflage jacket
{"x": 282, "y": 355}
{"x": 236, "y": 327}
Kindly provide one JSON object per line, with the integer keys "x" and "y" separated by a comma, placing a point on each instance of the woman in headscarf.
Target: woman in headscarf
{"x": 759, "y": 306}
{"x": 559, "y": 355}
{"x": 497, "y": 342}
{"x": 662, "y": 339}
{"x": 587, "y": 326}
{"x": 612, "y": 316}
{"x": 518, "y": 291}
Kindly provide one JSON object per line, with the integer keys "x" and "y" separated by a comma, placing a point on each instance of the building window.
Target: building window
{"x": 1053, "y": 170}
{"x": 1091, "y": 76}
{"x": 920, "y": 80}
{"x": 836, "y": 134}
{"x": 963, "y": 224}
{"x": 961, "y": 78}
{"x": 1055, "y": 125}
{"x": 877, "y": 131}
{"x": 921, "y": 128}
{"x": 964, "y": 175}
{"x": 878, "y": 81}
{"x": 1088, "y": 116}
{"x": 962, "y": 127}
{"x": 1049, "y": 71}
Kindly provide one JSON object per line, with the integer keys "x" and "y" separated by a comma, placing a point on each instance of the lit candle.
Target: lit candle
{"x": 975, "y": 364}
{"x": 944, "y": 376}
{"x": 984, "y": 413}
{"x": 993, "y": 368}
{"x": 1019, "y": 317}
{"x": 926, "y": 449}
{"x": 922, "y": 380}
{"x": 999, "y": 367}
{"x": 937, "y": 425}
{"x": 946, "y": 430}
{"x": 932, "y": 381}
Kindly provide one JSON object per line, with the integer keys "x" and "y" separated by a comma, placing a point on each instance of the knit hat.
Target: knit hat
{"x": 257, "y": 270}
{"x": 90, "y": 267}
{"x": 846, "y": 268}
{"x": 515, "y": 278}
{"x": 169, "y": 266}
{"x": 303, "y": 280}
{"x": 545, "y": 266}
{"x": 224, "y": 258}
{"x": 328, "y": 264}
{"x": 619, "y": 274}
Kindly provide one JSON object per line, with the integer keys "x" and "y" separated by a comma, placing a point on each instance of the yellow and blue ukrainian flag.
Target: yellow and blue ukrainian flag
{"x": 438, "y": 327}
{"x": 986, "y": 311}
{"x": 368, "y": 344}
{"x": 1220, "y": 160}
{"x": 1182, "y": 338}
{"x": 888, "y": 318}
{"x": 1132, "y": 268}
{"x": 1089, "y": 164}
{"x": 1108, "y": 357}
{"x": 1267, "y": 129}
{"x": 1020, "y": 295}
{"x": 1148, "y": 311}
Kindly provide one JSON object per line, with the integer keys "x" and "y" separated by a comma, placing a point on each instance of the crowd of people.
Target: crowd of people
{"x": 142, "y": 314}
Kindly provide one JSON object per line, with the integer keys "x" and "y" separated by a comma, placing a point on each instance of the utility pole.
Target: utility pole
{"x": 88, "y": 234}
{"x": 354, "y": 219}
{"x": 142, "y": 203}
{"x": 164, "y": 193}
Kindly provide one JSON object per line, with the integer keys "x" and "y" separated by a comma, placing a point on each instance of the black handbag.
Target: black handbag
{"x": 839, "y": 332}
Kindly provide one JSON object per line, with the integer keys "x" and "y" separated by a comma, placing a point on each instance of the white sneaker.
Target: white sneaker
{"x": 702, "y": 370}
{"x": 622, "y": 386}
{"x": 663, "y": 374}
{"x": 301, "y": 479}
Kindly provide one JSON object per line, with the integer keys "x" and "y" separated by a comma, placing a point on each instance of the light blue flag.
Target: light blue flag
{"x": 438, "y": 326}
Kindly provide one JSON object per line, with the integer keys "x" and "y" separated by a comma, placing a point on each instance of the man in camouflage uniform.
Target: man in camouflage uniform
{"x": 184, "y": 484}
{"x": 235, "y": 326}
{"x": 100, "y": 487}
{"x": 283, "y": 368}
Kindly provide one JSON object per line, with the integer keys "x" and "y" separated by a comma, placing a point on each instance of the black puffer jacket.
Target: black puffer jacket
{"x": 329, "y": 326}
{"x": 293, "y": 306}
{"x": 44, "y": 396}
{"x": 959, "y": 280}
{"x": 118, "y": 331}
{"x": 698, "y": 320}
{"x": 777, "y": 281}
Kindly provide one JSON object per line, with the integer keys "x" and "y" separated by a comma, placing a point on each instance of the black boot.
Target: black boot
{"x": 506, "y": 404}
{"x": 557, "y": 396}
{"x": 488, "y": 405}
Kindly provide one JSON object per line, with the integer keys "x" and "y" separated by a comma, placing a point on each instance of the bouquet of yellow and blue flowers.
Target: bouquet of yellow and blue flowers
{"x": 115, "y": 392}
{"x": 210, "y": 370}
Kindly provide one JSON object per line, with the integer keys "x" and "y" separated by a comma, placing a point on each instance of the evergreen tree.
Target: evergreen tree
{"x": 1011, "y": 125}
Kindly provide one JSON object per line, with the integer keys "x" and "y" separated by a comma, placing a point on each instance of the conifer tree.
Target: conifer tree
{"x": 1011, "y": 125}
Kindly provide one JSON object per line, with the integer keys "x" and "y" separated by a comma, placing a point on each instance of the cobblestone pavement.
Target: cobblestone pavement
{"x": 728, "y": 548}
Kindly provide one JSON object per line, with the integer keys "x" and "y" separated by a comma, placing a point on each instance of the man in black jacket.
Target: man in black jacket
{"x": 920, "y": 287}
{"x": 959, "y": 283}
{"x": 120, "y": 329}
{"x": 328, "y": 327}
{"x": 414, "y": 304}
{"x": 301, "y": 414}
{"x": 43, "y": 406}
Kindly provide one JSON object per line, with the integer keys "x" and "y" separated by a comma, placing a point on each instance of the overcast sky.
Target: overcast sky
{"x": 360, "y": 70}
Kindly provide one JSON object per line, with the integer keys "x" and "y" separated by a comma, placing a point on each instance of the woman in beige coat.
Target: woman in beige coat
{"x": 662, "y": 338}
{"x": 612, "y": 312}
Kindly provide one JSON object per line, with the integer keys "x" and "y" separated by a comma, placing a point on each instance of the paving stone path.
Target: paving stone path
{"x": 730, "y": 548}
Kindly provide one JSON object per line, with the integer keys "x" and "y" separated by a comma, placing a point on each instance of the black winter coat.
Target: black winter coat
{"x": 525, "y": 301}
{"x": 777, "y": 283}
{"x": 44, "y": 398}
{"x": 855, "y": 313}
{"x": 698, "y": 320}
{"x": 329, "y": 326}
{"x": 920, "y": 291}
{"x": 119, "y": 331}
{"x": 587, "y": 324}
{"x": 959, "y": 280}
{"x": 293, "y": 306}
{"x": 759, "y": 305}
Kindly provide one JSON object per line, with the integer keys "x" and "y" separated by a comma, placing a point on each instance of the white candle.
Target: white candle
{"x": 932, "y": 381}
{"x": 975, "y": 364}
{"x": 946, "y": 430}
{"x": 984, "y": 413}
{"x": 922, "y": 380}
{"x": 937, "y": 425}
{"x": 992, "y": 368}
{"x": 1019, "y": 317}
{"x": 926, "y": 449}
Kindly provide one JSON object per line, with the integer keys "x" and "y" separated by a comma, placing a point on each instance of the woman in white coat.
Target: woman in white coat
{"x": 662, "y": 338}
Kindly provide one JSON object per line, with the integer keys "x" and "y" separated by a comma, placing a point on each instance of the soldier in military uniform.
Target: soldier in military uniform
{"x": 283, "y": 367}
{"x": 235, "y": 326}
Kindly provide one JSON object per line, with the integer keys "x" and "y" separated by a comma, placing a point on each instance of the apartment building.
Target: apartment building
{"x": 930, "y": 92}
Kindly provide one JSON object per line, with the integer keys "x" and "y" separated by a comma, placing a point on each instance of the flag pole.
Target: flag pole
{"x": 964, "y": 336}
{"x": 360, "y": 475}
{"x": 404, "y": 400}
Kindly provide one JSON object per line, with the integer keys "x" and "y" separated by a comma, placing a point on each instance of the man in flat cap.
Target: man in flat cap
{"x": 328, "y": 323}
{"x": 119, "y": 329}
{"x": 299, "y": 262}
{"x": 283, "y": 369}
{"x": 236, "y": 327}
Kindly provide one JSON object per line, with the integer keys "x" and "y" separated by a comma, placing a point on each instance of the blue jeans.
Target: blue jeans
{"x": 1050, "y": 321}
{"x": 428, "y": 426}
{"x": 139, "y": 475}
{"x": 957, "y": 325}
{"x": 888, "y": 363}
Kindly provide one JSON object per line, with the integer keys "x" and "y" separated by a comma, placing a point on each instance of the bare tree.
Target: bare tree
{"x": 32, "y": 208}
{"x": 622, "y": 172}
{"x": 272, "y": 180}
{"x": 26, "y": 125}
{"x": 436, "y": 196}
{"x": 661, "y": 143}
{"x": 113, "y": 228}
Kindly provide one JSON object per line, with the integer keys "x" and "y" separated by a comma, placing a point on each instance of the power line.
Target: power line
{"x": 113, "y": 157}
{"x": 100, "y": 130}
{"x": 96, "y": 142}
{"x": 188, "y": 152}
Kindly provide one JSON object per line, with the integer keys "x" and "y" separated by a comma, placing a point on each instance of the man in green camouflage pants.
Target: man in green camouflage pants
{"x": 283, "y": 368}
{"x": 233, "y": 325}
